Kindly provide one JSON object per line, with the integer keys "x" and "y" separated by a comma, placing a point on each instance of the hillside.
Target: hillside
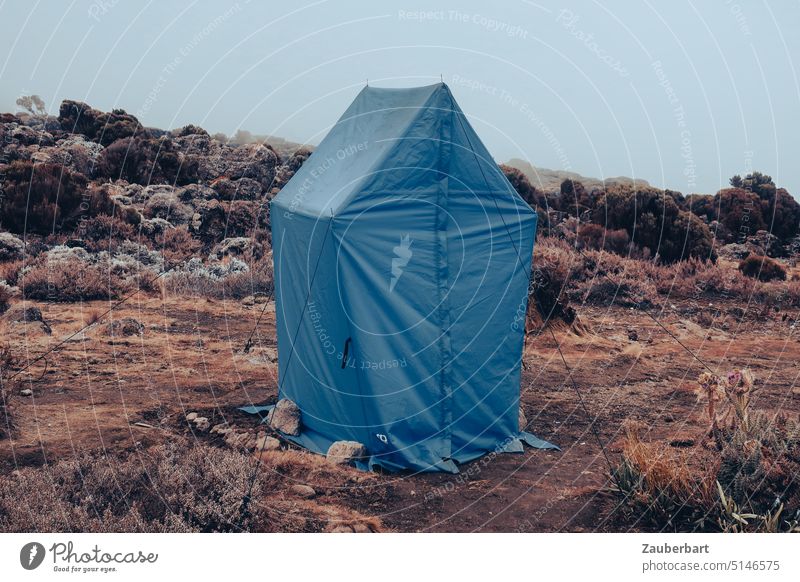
{"x": 548, "y": 180}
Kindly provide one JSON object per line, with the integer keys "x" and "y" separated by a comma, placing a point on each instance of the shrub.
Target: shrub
{"x": 104, "y": 233}
{"x": 176, "y": 245}
{"x": 70, "y": 280}
{"x": 5, "y": 298}
{"x": 762, "y": 268}
{"x": 146, "y": 160}
{"x": 99, "y": 126}
{"x": 46, "y": 198}
{"x": 654, "y": 221}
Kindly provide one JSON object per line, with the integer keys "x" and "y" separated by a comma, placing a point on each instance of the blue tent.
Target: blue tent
{"x": 400, "y": 254}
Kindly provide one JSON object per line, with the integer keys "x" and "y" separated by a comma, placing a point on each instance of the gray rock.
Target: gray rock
{"x": 304, "y": 491}
{"x": 235, "y": 246}
{"x": 344, "y": 452}
{"x": 26, "y": 392}
{"x": 191, "y": 416}
{"x": 285, "y": 417}
{"x": 267, "y": 443}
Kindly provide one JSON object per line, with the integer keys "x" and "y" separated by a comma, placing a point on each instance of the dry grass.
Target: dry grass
{"x": 743, "y": 480}
{"x": 564, "y": 276}
{"x": 174, "y": 488}
{"x": 69, "y": 281}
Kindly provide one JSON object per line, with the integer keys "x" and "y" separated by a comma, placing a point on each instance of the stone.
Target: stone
{"x": 304, "y": 491}
{"x": 127, "y": 326}
{"x": 221, "y": 428}
{"x": 191, "y": 416}
{"x": 285, "y": 417}
{"x": 633, "y": 335}
{"x": 267, "y": 443}
{"x": 523, "y": 420}
{"x": 11, "y": 247}
{"x": 344, "y": 452}
{"x": 26, "y": 392}
{"x": 342, "y": 529}
{"x": 201, "y": 423}
{"x": 28, "y": 315}
{"x": 361, "y": 528}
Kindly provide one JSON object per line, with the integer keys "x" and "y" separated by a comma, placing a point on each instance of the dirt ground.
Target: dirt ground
{"x": 107, "y": 394}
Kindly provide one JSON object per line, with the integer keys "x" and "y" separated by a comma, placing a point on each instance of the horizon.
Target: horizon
{"x": 696, "y": 100}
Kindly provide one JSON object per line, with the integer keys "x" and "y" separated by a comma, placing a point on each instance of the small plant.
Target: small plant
{"x": 744, "y": 482}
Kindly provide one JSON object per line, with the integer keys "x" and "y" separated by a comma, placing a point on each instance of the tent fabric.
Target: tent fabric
{"x": 399, "y": 248}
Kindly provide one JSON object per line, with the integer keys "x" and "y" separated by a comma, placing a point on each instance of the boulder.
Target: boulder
{"x": 345, "y": 452}
{"x": 191, "y": 416}
{"x": 285, "y": 417}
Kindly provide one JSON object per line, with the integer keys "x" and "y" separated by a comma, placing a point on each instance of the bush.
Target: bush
{"x": 70, "y": 280}
{"x": 762, "y": 268}
{"x": 46, "y": 198}
{"x": 654, "y": 221}
{"x": 176, "y": 245}
{"x": 146, "y": 160}
{"x": 5, "y": 298}
{"x": 104, "y": 128}
{"x": 104, "y": 233}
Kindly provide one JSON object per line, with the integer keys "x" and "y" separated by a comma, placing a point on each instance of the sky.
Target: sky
{"x": 682, "y": 94}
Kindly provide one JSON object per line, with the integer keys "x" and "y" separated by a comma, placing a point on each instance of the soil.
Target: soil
{"x": 111, "y": 394}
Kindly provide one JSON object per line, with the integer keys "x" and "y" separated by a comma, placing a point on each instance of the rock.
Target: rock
{"x": 167, "y": 205}
{"x": 11, "y": 247}
{"x": 342, "y": 529}
{"x": 29, "y": 315}
{"x": 633, "y": 335}
{"x": 304, "y": 491}
{"x": 201, "y": 423}
{"x": 234, "y": 246}
{"x": 191, "y": 416}
{"x": 523, "y": 420}
{"x": 344, "y": 452}
{"x": 127, "y": 326}
{"x": 285, "y": 417}
{"x": 734, "y": 252}
{"x": 26, "y": 392}
{"x": 361, "y": 528}
{"x": 221, "y": 429}
{"x": 267, "y": 443}
{"x": 249, "y": 301}
{"x": 209, "y": 222}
